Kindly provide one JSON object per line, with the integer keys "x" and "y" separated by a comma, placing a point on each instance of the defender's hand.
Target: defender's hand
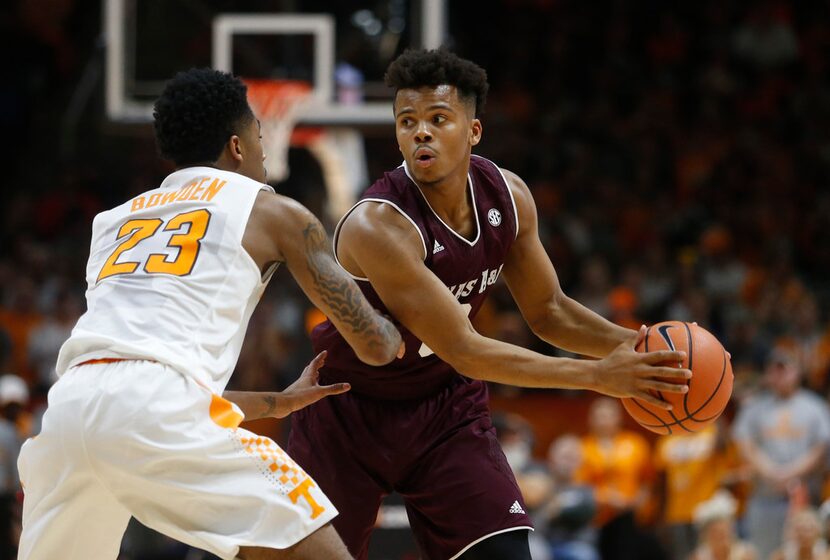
{"x": 628, "y": 373}
{"x": 306, "y": 390}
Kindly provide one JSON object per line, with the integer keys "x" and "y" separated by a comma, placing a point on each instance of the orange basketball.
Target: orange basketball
{"x": 709, "y": 388}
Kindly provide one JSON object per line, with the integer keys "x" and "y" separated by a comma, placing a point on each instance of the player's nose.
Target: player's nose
{"x": 422, "y": 133}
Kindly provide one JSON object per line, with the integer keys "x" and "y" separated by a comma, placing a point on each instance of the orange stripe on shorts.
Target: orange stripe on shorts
{"x": 223, "y": 414}
{"x": 101, "y": 361}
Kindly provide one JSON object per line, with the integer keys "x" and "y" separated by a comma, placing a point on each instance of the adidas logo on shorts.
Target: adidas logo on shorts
{"x": 437, "y": 248}
{"x": 516, "y": 508}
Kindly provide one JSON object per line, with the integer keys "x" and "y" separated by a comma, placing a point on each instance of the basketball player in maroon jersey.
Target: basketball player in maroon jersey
{"x": 426, "y": 242}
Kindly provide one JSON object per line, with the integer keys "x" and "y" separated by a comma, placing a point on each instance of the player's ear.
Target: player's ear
{"x": 475, "y": 132}
{"x": 234, "y": 147}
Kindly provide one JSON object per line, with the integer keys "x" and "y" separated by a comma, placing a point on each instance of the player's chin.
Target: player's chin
{"x": 427, "y": 175}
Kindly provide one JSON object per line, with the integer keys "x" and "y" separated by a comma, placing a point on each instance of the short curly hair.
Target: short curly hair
{"x": 197, "y": 112}
{"x": 417, "y": 68}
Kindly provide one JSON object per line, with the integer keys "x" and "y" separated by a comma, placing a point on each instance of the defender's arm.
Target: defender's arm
{"x": 281, "y": 229}
{"x": 304, "y": 391}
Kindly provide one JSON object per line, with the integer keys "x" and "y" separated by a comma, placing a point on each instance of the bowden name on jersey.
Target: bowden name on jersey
{"x": 168, "y": 279}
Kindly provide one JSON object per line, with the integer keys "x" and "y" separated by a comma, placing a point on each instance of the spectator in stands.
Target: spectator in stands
{"x": 783, "y": 434}
{"x": 14, "y": 396}
{"x": 715, "y": 521}
{"x": 804, "y": 538}
{"x": 19, "y": 318}
{"x": 691, "y": 468}
{"x": 46, "y": 339}
{"x": 570, "y": 506}
{"x": 616, "y": 463}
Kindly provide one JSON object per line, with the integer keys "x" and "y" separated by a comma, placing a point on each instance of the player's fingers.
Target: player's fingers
{"x": 668, "y": 387}
{"x": 333, "y": 389}
{"x": 319, "y": 359}
{"x": 665, "y": 373}
{"x": 636, "y": 338}
{"x": 402, "y": 350}
{"x": 652, "y": 400}
{"x": 664, "y": 357}
{"x": 313, "y": 369}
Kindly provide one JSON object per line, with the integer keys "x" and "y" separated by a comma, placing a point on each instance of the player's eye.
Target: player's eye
{"x": 438, "y": 119}
{"x": 405, "y": 121}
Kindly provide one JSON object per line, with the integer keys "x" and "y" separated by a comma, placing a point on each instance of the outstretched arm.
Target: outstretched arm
{"x": 281, "y": 229}
{"x": 551, "y": 314}
{"x": 377, "y": 242}
{"x": 304, "y": 391}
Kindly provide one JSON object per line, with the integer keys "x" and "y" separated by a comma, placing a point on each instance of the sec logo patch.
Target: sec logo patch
{"x": 494, "y": 217}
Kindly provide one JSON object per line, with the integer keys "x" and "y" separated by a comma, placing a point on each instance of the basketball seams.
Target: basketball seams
{"x": 639, "y": 404}
{"x": 666, "y": 427}
{"x": 671, "y": 345}
{"x": 714, "y": 391}
{"x": 712, "y": 395}
{"x": 691, "y": 416}
{"x": 690, "y": 346}
{"x": 662, "y": 424}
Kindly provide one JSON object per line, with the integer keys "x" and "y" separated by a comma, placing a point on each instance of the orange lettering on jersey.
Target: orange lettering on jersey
{"x": 185, "y": 192}
{"x": 302, "y": 489}
{"x": 154, "y": 200}
{"x": 214, "y": 188}
{"x": 168, "y": 197}
{"x": 198, "y": 190}
{"x": 138, "y": 203}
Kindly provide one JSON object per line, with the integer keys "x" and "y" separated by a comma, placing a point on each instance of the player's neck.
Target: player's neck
{"x": 450, "y": 199}
{"x": 450, "y": 193}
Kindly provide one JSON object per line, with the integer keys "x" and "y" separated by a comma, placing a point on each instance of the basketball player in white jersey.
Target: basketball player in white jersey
{"x": 137, "y": 424}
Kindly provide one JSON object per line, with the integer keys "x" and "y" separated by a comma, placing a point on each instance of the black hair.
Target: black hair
{"x": 197, "y": 112}
{"x": 418, "y": 68}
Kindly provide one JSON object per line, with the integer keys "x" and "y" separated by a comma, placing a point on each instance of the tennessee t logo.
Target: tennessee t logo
{"x": 302, "y": 489}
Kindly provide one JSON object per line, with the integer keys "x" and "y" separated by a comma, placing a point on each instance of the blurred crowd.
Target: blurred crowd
{"x": 679, "y": 156}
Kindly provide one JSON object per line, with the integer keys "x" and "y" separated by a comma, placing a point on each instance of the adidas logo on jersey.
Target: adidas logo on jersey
{"x": 437, "y": 248}
{"x": 516, "y": 508}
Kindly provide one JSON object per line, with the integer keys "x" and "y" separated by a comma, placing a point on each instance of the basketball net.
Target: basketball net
{"x": 277, "y": 104}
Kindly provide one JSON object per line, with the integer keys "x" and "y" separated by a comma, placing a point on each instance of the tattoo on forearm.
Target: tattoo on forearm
{"x": 340, "y": 292}
{"x": 271, "y": 403}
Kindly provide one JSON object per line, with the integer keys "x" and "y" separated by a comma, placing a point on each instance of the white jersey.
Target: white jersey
{"x": 168, "y": 279}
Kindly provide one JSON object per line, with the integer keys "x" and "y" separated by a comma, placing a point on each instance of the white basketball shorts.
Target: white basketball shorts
{"x": 139, "y": 438}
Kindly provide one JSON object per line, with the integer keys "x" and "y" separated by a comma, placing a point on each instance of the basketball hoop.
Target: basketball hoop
{"x": 277, "y": 104}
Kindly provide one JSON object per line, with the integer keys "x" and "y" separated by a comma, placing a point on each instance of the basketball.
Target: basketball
{"x": 709, "y": 388}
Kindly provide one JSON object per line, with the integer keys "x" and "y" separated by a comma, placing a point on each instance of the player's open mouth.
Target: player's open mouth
{"x": 424, "y": 158}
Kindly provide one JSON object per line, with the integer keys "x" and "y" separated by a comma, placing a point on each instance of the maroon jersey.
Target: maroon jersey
{"x": 468, "y": 267}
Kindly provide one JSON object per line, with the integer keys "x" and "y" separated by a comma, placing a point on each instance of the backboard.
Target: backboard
{"x": 341, "y": 48}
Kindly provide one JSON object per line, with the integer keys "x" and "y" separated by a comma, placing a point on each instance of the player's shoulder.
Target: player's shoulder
{"x": 273, "y": 208}
{"x": 522, "y": 197}
{"x": 379, "y": 218}
{"x": 378, "y": 225}
{"x": 517, "y": 185}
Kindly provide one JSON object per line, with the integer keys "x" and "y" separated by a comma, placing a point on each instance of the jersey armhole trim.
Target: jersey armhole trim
{"x": 336, "y": 235}
{"x": 263, "y": 278}
{"x": 512, "y": 200}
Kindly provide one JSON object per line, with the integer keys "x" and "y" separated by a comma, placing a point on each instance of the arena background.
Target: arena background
{"x": 678, "y": 155}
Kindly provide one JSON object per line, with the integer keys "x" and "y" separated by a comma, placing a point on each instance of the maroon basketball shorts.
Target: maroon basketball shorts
{"x": 439, "y": 453}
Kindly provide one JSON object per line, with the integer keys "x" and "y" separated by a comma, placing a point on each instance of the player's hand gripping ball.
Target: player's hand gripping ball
{"x": 709, "y": 388}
